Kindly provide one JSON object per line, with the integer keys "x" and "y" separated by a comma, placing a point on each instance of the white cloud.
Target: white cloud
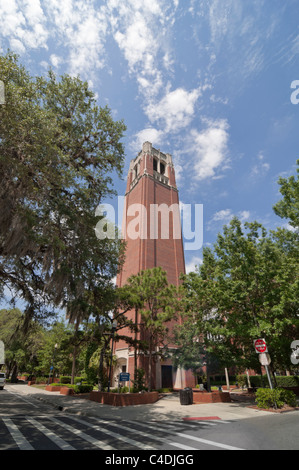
{"x": 141, "y": 29}
{"x": 149, "y": 134}
{"x": 210, "y": 147}
{"x": 81, "y": 27}
{"x": 224, "y": 216}
{"x": 137, "y": 43}
{"x": 261, "y": 168}
{"x": 244, "y": 215}
{"x": 55, "y": 60}
{"x": 23, "y": 24}
{"x": 191, "y": 265}
{"x": 175, "y": 110}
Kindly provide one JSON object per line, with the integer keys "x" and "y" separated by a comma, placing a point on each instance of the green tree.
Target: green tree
{"x": 246, "y": 289}
{"x": 58, "y": 150}
{"x": 288, "y": 206}
{"x": 155, "y": 301}
{"x": 61, "y": 335}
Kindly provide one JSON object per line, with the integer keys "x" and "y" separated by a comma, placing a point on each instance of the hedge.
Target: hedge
{"x": 267, "y": 398}
{"x": 66, "y": 379}
{"x": 84, "y": 388}
{"x": 281, "y": 380}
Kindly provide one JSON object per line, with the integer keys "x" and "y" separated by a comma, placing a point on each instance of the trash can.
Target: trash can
{"x": 186, "y": 396}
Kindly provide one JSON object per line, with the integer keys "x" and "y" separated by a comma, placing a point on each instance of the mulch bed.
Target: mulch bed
{"x": 284, "y": 409}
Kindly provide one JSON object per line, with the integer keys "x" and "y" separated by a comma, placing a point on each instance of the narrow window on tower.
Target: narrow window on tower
{"x": 162, "y": 168}
{"x": 155, "y": 165}
{"x": 135, "y": 171}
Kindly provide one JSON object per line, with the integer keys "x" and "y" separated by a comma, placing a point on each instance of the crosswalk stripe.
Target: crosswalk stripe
{"x": 16, "y": 434}
{"x": 210, "y": 443}
{"x": 181, "y": 446}
{"x": 114, "y": 434}
{"x": 220, "y": 421}
{"x": 50, "y": 435}
{"x": 126, "y": 428}
{"x": 96, "y": 442}
{"x": 140, "y": 433}
{"x": 179, "y": 424}
{"x": 189, "y": 436}
{"x": 172, "y": 427}
{"x": 165, "y": 427}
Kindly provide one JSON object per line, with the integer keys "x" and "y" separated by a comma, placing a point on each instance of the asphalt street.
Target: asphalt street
{"x": 33, "y": 421}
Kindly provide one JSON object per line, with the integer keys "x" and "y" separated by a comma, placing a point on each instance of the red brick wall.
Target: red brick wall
{"x": 213, "y": 397}
{"x": 147, "y": 253}
{"x": 124, "y": 399}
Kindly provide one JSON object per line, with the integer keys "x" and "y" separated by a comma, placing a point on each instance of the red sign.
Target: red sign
{"x": 260, "y": 345}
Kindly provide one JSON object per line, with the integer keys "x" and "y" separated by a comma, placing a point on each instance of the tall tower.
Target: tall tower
{"x": 152, "y": 231}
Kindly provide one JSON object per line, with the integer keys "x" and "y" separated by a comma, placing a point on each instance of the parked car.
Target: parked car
{"x": 2, "y": 380}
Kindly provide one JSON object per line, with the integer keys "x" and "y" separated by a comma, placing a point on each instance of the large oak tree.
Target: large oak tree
{"x": 58, "y": 152}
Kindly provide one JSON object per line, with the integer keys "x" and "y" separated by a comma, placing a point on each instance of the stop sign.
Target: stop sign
{"x": 260, "y": 345}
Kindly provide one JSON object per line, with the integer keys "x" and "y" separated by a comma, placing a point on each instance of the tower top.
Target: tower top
{"x": 153, "y": 163}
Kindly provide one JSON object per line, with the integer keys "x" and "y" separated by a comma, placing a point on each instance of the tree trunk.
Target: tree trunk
{"x": 101, "y": 374}
{"x": 74, "y": 365}
{"x": 135, "y": 346}
{"x": 14, "y": 373}
{"x": 150, "y": 367}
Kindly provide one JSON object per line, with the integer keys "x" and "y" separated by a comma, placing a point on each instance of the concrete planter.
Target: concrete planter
{"x": 52, "y": 388}
{"x": 210, "y": 397}
{"x": 66, "y": 391}
{"x": 124, "y": 399}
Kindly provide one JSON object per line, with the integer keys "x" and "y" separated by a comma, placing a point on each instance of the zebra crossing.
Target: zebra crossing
{"x": 70, "y": 432}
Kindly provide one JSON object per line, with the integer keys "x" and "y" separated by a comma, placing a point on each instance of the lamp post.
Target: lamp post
{"x": 52, "y": 365}
{"x": 114, "y": 325}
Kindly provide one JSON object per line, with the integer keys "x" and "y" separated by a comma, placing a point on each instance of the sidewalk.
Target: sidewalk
{"x": 168, "y": 407}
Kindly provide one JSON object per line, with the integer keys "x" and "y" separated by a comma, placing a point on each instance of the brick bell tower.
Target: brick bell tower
{"x": 152, "y": 230}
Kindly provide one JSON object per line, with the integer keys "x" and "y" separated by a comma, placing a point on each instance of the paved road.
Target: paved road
{"x": 28, "y": 424}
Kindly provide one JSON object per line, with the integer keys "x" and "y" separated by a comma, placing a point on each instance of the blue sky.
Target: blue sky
{"x": 208, "y": 81}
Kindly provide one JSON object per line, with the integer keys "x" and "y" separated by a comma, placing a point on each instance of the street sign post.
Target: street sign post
{"x": 265, "y": 359}
{"x": 260, "y": 345}
{"x": 124, "y": 377}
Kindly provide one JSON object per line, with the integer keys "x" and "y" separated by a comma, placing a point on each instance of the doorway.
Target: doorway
{"x": 166, "y": 373}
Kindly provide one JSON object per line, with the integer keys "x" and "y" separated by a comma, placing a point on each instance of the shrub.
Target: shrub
{"x": 258, "y": 381}
{"x": 40, "y": 380}
{"x": 267, "y": 398}
{"x": 287, "y": 381}
{"x": 281, "y": 380}
{"x": 79, "y": 379}
{"x": 139, "y": 382}
{"x": 84, "y": 388}
{"x": 65, "y": 379}
{"x": 119, "y": 390}
{"x": 241, "y": 379}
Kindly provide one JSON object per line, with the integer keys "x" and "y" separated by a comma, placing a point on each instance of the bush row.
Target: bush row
{"x": 278, "y": 397}
{"x": 281, "y": 380}
{"x": 258, "y": 381}
{"x": 82, "y": 388}
{"x": 66, "y": 379}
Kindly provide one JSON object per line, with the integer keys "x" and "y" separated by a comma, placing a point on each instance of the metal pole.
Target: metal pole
{"x": 227, "y": 379}
{"x": 110, "y": 368}
{"x": 269, "y": 377}
{"x": 52, "y": 365}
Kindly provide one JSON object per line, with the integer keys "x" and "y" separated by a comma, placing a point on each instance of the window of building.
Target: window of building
{"x": 162, "y": 168}
{"x": 155, "y": 165}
